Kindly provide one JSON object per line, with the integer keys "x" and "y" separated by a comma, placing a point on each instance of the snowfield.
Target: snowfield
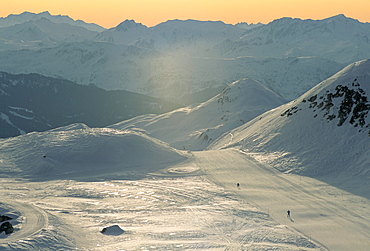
{"x": 182, "y": 201}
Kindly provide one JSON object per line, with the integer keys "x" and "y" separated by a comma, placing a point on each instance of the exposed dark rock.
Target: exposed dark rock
{"x": 7, "y": 228}
{"x": 291, "y": 111}
{"x": 4, "y": 218}
{"x": 353, "y": 105}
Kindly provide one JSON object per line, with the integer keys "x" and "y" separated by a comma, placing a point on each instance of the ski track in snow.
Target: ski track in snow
{"x": 330, "y": 222}
{"x": 34, "y": 220}
{"x": 181, "y": 208}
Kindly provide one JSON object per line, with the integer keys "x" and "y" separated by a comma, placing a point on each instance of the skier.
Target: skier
{"x": 237, "y": 185}
{"x": 288, "y": 215}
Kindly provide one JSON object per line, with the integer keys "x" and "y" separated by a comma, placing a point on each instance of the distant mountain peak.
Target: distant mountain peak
{"x": 128, "y": 25}
{"x": 44, "y": 13}
{"x": 26, "y": 16}
{"x": 340, "y": 18}
{"x": 337, "y": 17}
{"x": 31, "y": 16}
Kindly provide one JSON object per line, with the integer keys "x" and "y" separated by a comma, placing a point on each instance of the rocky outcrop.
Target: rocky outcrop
{"x": 345, "y": 103}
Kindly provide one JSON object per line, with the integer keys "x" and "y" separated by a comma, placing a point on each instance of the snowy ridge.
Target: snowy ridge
{"x": 195, "y": 127}
{"x": 37, "y": 31}
{"x": 341, "y": 39}
{"x": 127, "y": 32}
{"x": 78, "y": 150}
{"x": 323, "y": 131}
{"x": 184, "y": 37}
{"x": 42, "y": 33}
{"x": 28, "y": 16}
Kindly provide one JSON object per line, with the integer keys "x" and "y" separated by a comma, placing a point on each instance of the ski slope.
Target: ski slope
{"x": 332, "y": 218}
{"x": 192, "y": 205}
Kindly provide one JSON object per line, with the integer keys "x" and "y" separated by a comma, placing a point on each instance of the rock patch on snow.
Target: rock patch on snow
{"x": 112, "y": 230}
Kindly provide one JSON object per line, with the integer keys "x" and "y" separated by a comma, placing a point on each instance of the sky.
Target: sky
{"x": 109, "y": 13}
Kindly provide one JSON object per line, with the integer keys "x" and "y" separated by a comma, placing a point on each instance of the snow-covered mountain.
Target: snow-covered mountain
{"x": 28, "y": 16}
{"x": 325, "y": 130}
{"x": 147, "y": 71}
{"x": 195, "y": 127}
{"x": 41, "y": 33}
{"x": 127, "y": 32}
{"x": 32, "y": 102}
{"x": 179, "y": 37}
{"x": 247, "y": 26}
{"x": 338, "y": 38}
{"x": 180, "y": 59}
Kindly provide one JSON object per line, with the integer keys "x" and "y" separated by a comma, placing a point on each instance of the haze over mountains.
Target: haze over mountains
{"x": 262, "y": 106}
{"x": 32, "y": 102}
{"x": 178, "y": 59}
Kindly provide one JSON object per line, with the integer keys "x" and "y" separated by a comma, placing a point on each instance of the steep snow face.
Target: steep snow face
{"x": 196, "y": 127}
{"x": 325, "y": 130}
{"x": 344, "y": 97}
{"x": 81, "y": 151}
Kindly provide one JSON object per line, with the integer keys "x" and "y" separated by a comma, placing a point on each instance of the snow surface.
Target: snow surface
{"x": 62, "y": 193}
{"x": 195, "y": 127}
{"x": 324, "y": 131}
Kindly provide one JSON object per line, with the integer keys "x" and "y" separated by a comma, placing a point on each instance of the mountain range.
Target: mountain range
{"x": 339, "y": 38}
{"x": 185, "y": 61}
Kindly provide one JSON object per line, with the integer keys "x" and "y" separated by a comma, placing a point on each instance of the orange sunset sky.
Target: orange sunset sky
{"x": 109, "y": 13}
